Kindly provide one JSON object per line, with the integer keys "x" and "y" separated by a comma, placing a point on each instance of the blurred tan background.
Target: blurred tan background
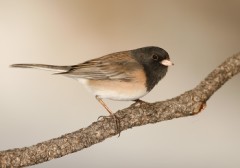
{"x": 36, "y": 106}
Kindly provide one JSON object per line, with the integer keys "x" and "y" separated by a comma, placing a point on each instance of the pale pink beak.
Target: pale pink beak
{"x": 167, "y": 62}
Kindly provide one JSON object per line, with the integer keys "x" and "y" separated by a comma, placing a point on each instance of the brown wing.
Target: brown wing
{"x": 116, "y": 66}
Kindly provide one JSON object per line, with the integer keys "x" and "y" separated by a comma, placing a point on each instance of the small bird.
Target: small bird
{"x": 126, "y": 75}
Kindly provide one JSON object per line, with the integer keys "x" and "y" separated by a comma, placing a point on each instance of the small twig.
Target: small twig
{"x": 190, "y": 103}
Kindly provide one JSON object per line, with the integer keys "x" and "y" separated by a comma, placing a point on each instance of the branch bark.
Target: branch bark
{"x": 187, "y": 104}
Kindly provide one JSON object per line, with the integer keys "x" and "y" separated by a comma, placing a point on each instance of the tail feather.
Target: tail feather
{"x": 53, "y": 68}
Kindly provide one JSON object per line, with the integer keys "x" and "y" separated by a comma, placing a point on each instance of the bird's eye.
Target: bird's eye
{"x": 155, "y": 57}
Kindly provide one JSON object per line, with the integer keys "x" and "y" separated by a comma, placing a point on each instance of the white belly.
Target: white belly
{"x": 115, "y": 90}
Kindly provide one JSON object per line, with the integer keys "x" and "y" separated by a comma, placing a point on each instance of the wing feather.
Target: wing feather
{"x": 116, "y": 66}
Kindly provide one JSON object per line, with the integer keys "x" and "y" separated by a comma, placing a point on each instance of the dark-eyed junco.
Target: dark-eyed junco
{"x": 125, "y": 75}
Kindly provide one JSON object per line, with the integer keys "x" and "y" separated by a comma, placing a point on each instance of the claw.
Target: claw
{"x": 116, "y": 120}
{"x": 138, "y": 102}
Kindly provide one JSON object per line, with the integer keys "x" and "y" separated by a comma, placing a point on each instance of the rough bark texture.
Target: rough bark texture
{"x": 187, "y": 104}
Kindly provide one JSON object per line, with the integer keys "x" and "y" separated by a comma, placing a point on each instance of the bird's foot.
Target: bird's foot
{"x": 116, "y": 120}
{"x": 138, "y": 103}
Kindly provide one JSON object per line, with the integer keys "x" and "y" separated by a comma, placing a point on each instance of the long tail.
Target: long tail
{"x": 53, "y": 68}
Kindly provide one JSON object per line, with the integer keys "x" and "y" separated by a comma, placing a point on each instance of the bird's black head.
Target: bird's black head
{"x": 155, "y": 62}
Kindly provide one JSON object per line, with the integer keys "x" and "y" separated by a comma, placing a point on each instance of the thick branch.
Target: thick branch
{"x": 187, "y": 104}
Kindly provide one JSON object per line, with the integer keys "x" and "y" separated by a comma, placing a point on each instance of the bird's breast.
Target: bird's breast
{"x": 118, "y": 89}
